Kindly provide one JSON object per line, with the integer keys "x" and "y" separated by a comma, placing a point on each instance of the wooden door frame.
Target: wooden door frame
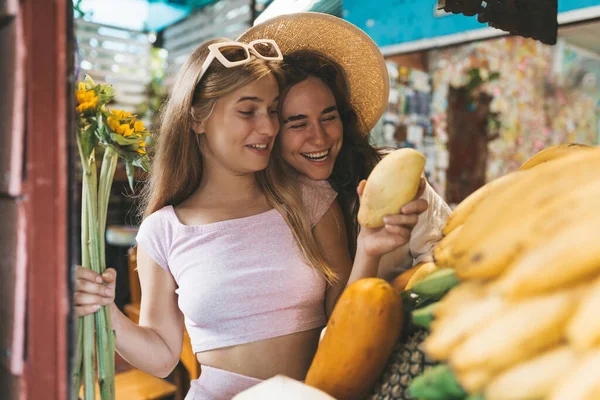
{"x": 48, "y": 33}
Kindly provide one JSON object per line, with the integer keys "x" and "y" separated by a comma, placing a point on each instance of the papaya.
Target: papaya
{"x": 361, "y": 334}
{"x": 399, "y": 282}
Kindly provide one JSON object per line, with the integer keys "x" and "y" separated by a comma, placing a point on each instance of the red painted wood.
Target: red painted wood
{"x": 46, "y": 188}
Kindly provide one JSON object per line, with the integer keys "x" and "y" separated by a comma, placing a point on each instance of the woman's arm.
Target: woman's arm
{"x": 155, "y": 344}
{"x": 330, "y": 234}
{"x": 424, "y": 237}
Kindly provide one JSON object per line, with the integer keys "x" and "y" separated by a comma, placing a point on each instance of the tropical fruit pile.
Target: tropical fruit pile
{"x": 524, "y": 321}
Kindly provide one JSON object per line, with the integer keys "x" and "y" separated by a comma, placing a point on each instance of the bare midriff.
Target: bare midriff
{"x": 289, "y": 355}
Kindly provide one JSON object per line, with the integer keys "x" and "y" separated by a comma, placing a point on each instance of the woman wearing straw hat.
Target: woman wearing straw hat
{"x": 337, "y": 89}
{"x": 226, "y": 246}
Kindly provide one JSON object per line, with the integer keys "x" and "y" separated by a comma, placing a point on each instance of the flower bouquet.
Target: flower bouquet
{"x": 120, "y": 136}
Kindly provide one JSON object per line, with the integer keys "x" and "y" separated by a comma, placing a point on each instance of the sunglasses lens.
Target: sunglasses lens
{"x": 265, "y": 49}
{"x": 234, "y": 53}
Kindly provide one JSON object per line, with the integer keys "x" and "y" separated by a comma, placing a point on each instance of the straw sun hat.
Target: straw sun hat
{"x": 342, "y": 42}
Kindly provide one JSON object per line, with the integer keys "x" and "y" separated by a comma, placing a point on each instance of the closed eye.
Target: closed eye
{"x": 297, "y": 126}
{"x": 247, "y": 113}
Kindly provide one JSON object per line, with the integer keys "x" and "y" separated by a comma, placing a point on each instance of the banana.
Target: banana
{"x": 462, "y": 211}
{"x": 491, "y": 255}
{"x": 532, "y": 379}
{"x": 583, "y": 332}
{"x": 525, "y": 195}
{"x": 449, "y": 332}
{"x": 423, "y": 272}
{"x": 523, "y": 330}
{"x": 460, "y": 296}
{"x": 473, "y": 381}
{"x": 552, "y": 153}
{"x": 582, "y": 382}
{"x": 568, "y": 257}
{"x": 442, "y": 253}
{"x": 436, "y": 284}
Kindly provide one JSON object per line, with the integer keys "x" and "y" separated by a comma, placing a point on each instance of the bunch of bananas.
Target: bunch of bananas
{"x": 524, "y": 323}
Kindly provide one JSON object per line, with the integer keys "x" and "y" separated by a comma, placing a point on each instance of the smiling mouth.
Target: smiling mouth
{"x": 316, "y": 156}
{"x": 259, "y": 146}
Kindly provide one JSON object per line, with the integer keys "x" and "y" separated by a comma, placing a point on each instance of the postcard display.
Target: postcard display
{"x": 545, "y": 95}
{"x": 407, "y": 120}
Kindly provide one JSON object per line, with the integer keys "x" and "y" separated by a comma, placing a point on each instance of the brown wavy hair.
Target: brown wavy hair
{"x": 177, "y": 159}
{"x": 357, "y": 157}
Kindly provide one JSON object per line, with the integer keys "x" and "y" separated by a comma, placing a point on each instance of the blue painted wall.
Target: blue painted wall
{"x": 398, "y": 21}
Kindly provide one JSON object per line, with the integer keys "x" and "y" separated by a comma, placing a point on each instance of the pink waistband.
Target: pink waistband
{"x": 218, "y": 384}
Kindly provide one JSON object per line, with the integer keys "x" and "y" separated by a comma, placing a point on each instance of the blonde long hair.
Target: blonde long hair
{"x": 177, "y": 161}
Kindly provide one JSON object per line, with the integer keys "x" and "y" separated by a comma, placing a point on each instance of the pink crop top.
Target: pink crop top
{"x": 240, "y": 280}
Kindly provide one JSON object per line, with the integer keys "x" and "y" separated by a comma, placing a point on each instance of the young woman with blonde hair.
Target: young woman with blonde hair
{"x": 227, "y": 245}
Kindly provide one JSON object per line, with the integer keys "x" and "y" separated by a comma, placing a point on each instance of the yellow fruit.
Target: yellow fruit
{"x": 582, "y": 382}
{"x": 442, "y": 254}
{"x": 524, "y": 329}
{"x": 465, "y": 208}
{"x": 525, "y": 195}
{"x": 423, "y": 272}
{"x": 460, "y": 296}
{"x": 491, "y": 255}
{"x": 399, "y": 282}
{"x": 532, "y": 379}
{"x": 583, "y": 331}
{"x": 567, "y": 258}
{"x": 392, "y": 183}
{"x": 552, "y": 153}
{"x": 473, "y": 380}
{"x": 451, "y": 331}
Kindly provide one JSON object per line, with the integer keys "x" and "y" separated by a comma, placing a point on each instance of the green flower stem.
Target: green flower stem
{"x": 93, "y": 251}
{"x": 88, "y": 357}
{"x": 103, "y": 328}
{"x": 91, "y": 180}
{"x": 107, "y": 174}
{"x": 88, "y": 321}
{"x": 77, "y": 366}
{"x": 105, "y": 357}
{"x": 106, "y": 366}
{"x": 87, "y": 325}
{"x": 85, "y": 261}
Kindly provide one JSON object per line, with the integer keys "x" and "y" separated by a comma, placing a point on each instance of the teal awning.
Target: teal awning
{"x": 155, "y": 15}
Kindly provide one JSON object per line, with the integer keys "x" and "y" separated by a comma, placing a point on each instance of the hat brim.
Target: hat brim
{"x": 344, "y": 43}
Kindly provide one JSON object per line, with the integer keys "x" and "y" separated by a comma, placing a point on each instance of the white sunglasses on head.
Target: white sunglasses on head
{"x": 265, "y": 49}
